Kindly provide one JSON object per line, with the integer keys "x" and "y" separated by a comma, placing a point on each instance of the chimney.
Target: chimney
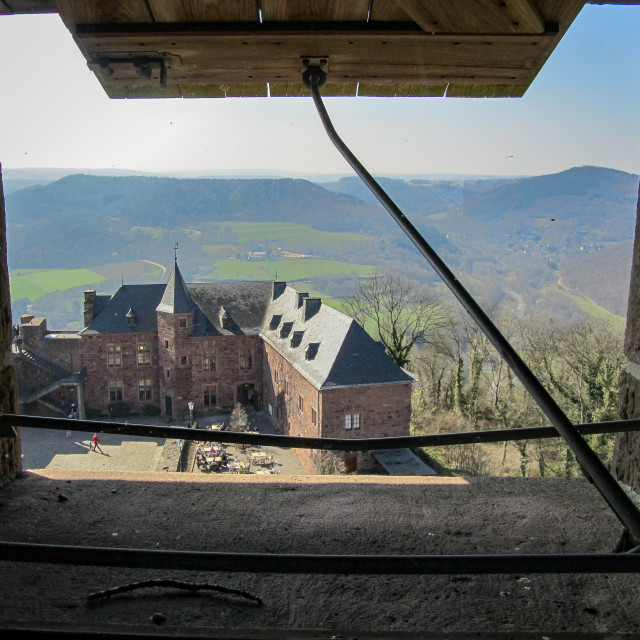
{"x": 277, "y": 289}
{"x": 311, "y": 307}
{"x": 89, "y": 306}
{"x": 300, "y": 296}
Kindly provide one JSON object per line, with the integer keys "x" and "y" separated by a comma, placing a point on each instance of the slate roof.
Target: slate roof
{"x": 341, "y": 353}
{"x": 245, "y": 304}
{"x": 110, "y": 316}
{"x": 175, "y": 298}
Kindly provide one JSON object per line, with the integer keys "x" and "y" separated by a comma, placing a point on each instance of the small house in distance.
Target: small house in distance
{"x": 313, "y": 370}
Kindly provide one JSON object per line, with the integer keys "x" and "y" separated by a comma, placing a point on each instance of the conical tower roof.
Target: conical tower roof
{"x": 176, "y": 298}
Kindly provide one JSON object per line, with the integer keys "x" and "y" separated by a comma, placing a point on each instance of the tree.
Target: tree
{"x": 239, "y": 418}
{"x": 399, "y": 312}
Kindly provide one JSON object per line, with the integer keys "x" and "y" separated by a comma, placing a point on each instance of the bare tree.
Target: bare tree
{"x": 398, "y": 311}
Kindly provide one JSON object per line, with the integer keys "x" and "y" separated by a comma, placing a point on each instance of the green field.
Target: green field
{"x": 287, "y": 270}
{"x": 585, "y": 305}
{"x": 36, "y": 283}
{"x": 258, "y": 231}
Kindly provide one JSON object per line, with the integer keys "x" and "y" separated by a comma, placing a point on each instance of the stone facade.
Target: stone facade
{"x": 116, "y": 366}
{"x": 10, "y": 452}
{"x": 297, "y": 408}
{"x": 627, "y": 452}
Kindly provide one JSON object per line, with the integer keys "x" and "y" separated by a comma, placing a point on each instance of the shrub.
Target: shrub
{"x": 118, "y": 409}
{"x": 93, "y": 414}
{"x": 150, "y": 410}
{"x": 238, "y": 418}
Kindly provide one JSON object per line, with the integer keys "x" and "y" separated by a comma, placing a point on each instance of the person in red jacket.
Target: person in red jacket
{"x": 96, "y": 443}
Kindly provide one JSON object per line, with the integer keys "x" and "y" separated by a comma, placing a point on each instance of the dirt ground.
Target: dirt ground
{"x": 313, "y": 514}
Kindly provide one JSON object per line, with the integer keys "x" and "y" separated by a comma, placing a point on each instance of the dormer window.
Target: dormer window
{"x": 275, "y": 322}
{"x": 296, "y": 339}
{"x": 311, "y": 351}
{"x": 286, "y": 329}
{"x": 131, "y": 318}
{"x": 225, "y": 319}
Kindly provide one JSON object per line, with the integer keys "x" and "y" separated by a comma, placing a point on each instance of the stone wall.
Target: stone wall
{"x": 626, "y": 461}
{"x": 95, "y": 357}
{"x": 295, "y": 407}
{"x": 10, "y": 452}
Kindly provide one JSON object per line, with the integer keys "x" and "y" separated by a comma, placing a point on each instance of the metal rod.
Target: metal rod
{"x": 320, "y": 564}
{"x": 297, "y": 442}
{"x": 610, "y": 490}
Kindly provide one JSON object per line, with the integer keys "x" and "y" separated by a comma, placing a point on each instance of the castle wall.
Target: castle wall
{"x": 626, "y": 462}
{"x": 289, "y": 398}
{"x": 10, "y": 451}
{"x": 103, "y": 377}
{"x": 291, "y": 402}
{"x": 62, "y": 348}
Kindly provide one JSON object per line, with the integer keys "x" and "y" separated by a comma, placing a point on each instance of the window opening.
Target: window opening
{"x": 314, "y": 77}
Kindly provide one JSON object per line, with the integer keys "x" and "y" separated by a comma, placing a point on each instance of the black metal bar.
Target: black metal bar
{"x": 281, "y": 563}
{"x": 297, "y": 442}
{"x": 610, "y": 490}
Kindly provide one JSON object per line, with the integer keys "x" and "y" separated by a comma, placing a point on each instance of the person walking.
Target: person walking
{"x": 96, "y": 443}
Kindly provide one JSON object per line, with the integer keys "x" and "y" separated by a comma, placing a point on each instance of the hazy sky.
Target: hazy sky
{"x": 583, "y": 108}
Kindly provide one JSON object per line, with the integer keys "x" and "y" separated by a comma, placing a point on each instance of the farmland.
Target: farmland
{"x": 34, "y": 284}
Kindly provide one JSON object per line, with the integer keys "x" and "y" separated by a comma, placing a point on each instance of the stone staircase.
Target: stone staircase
{"x": 64, "y": 378}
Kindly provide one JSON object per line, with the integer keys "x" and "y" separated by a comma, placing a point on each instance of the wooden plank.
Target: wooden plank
{"x": 246, "y": 49}
{"x": 480, "y": 16}
{"x": 291, "y": 89}
{"x": 255, "y": 57}
{"x": 75, "y": 12}
{"x": 402, "y": 90}
{"x": 205, "y": 11}
{"x": 456, "y": 90}
{"x": 314, "y": 10}
{"x": 387, "y": 11}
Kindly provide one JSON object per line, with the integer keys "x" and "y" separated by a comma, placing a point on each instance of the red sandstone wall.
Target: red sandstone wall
{"x": 385, "y": 410}
{"x": 94, "y": 358}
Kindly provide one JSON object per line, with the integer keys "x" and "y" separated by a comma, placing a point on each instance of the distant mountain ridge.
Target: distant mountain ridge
{"x": 515, "y": 234}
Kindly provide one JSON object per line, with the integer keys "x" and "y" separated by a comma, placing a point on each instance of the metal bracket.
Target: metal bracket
{"x": 314, "y": 61}
{"x": 144, "y": 66}
{"x": 317, "y": 66}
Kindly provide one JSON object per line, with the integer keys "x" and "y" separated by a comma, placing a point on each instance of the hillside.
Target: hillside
{"x": 538, "y": 242}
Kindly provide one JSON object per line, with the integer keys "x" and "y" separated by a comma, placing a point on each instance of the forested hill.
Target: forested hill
{"x": 83, "y": 219}
{"x": 535, "y": 242}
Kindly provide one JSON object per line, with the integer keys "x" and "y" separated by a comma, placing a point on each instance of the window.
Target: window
{"x": 300, "y": 404}
{"x": 246, "y": 358}
{"x": 183, "y": 323}
{"x": 114, "y": 356}
{"x": 314, "y": 417}
{"x": 209, "y": 360}
{"x": 209, "y": 395}
{"x": 144, "y": 389}
{"x": 275, "y": 375}
{"x": 166, "y": 344}
{"x": 168, "y": 373}
{"x": 144, "y": 354}
{"x": 270, "y": 409}
{"x": 183, "y": 360}
{"x": 115, "y": 390}
{"x": 352, "y": 421}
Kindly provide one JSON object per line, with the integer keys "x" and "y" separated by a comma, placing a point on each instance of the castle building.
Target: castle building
{"x": 313, "y": 370}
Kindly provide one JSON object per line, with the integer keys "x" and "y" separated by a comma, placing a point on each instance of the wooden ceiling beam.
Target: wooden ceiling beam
{"x": 462, "y": 16}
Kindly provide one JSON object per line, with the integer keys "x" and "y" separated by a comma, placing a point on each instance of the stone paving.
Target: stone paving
{"x": 51, "y": 449}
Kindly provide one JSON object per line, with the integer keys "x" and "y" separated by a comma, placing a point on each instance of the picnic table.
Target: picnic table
{"x": 259, "y": 457}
